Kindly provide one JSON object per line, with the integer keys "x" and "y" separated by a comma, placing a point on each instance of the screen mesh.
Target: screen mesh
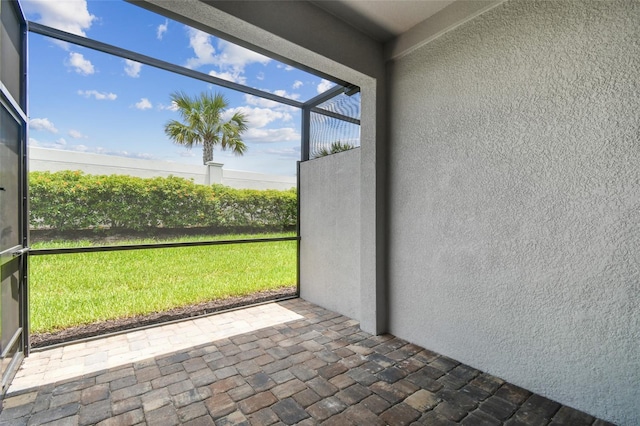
{"x": 330, "y": 134}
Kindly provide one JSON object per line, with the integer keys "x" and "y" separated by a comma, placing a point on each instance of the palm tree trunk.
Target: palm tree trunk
{"x": 207, "y": 152}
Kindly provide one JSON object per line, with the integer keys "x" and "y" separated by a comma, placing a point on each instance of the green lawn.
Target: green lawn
{"x": 74, "y": 289}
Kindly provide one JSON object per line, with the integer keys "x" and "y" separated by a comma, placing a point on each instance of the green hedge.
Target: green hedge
{"x": 72, "y": 200}
{"x": 250, "y": 207}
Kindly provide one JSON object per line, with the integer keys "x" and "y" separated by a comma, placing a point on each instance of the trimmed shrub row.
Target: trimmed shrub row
{"x": 256, "y": 208}
{"x": 72, "y": 200}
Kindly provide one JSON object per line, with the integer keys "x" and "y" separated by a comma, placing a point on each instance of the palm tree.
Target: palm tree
{"x": 203, "y": 124}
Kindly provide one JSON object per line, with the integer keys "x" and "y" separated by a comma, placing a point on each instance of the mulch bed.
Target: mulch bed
{"x": 111, "y": 326}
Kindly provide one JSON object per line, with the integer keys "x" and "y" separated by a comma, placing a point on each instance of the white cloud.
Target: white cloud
{"x": 71, "y": 16}
{"x": 186, "y": 153}
{"x": 232, "y": 55}
{"x": 234, "y": 76}
{"x": 42, "y": 124}
{"x": 230, "y": 59}
{"x": 143, "y": 104}
{"x": 132, "y": 68}
{"x": 62, "y": 144}
{"x": 261, "y": 102}
{"x": 257, "y": 117}
{"x": 100, "y": 96}
{"x": 82, "y": 66}
{"x": 324, "y": 85}
{"x": 285, "y": 94}
{"x": 162, "y": 28}
{"x": 76, "y": 134}
{"x": 283, "y": 134}
{"x": 292, "y": 152}
{"x": 63, "y": 44}
{"x": 200, "y": 42}
{"x": 297, "y": 84}
{"x": 260, "y": 76}
{"x": 171, "y": 107}
{"x": 285, "y": 67}
{"x": 266, "y": 103}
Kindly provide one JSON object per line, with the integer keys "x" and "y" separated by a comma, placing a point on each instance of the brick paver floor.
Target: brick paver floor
{"x": 289, "y": 362}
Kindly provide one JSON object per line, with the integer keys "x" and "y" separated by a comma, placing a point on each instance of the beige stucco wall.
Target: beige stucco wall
{"x": 515, "y": 199}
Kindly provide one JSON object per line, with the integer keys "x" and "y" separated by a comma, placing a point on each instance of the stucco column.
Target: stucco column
{"x": 214, "y": 173}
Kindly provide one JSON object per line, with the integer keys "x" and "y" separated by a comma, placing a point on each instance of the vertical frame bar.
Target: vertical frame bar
{"x": 298, "y": 229}
{"x": 306, "y": 133}
{"x": 14, "y": 104}
{"x": 26, "y": 347}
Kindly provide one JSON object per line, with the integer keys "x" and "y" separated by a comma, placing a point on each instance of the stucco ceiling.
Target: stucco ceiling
{"x": 383, "y": 19}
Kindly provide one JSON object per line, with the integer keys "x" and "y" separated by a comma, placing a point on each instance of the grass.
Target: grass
{"x": 74, "y": 289}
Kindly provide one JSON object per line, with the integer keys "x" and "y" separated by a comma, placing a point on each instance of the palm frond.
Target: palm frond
{"x": 335, "y": 147}
{"x": 181, "y": 134}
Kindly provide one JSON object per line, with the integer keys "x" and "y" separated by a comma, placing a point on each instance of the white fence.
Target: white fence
{"x": 53, "y": 160}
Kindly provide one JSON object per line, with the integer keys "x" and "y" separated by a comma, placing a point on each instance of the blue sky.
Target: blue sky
{"x": 84, "y": 100}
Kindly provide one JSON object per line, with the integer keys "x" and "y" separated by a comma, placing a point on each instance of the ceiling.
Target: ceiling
{"x": 383, "y": 20}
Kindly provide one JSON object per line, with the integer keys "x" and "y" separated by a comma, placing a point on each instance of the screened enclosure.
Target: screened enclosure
{"x": 154, "y": 242}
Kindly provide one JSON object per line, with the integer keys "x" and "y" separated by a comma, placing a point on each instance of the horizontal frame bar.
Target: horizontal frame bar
{"x": 157, "y": 63}
{"x": 15, "y": 106}
{"x": 324, "y": 96}
{"x": 7, "y": 255}
{"x": 335, "y": 115}
{"x": 125, "y": 247}
{"x": 12, "y": 342}
{"x": 13, "y": 366}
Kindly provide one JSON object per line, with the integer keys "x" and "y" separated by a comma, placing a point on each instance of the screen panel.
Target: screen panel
{"x": 10, "y": 58}
{"x": 10, "y": 199}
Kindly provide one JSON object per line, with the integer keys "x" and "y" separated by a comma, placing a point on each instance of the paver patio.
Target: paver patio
{"x": 289, "y": 362}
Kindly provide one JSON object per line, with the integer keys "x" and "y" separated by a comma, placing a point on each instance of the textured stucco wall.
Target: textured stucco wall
{"x": 515, "y": 199}
{"x": 330, "y": 232}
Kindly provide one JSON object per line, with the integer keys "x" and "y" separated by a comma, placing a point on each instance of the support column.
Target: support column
{"x": 214, "y": 173}
{"x": 374, "y": 294}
